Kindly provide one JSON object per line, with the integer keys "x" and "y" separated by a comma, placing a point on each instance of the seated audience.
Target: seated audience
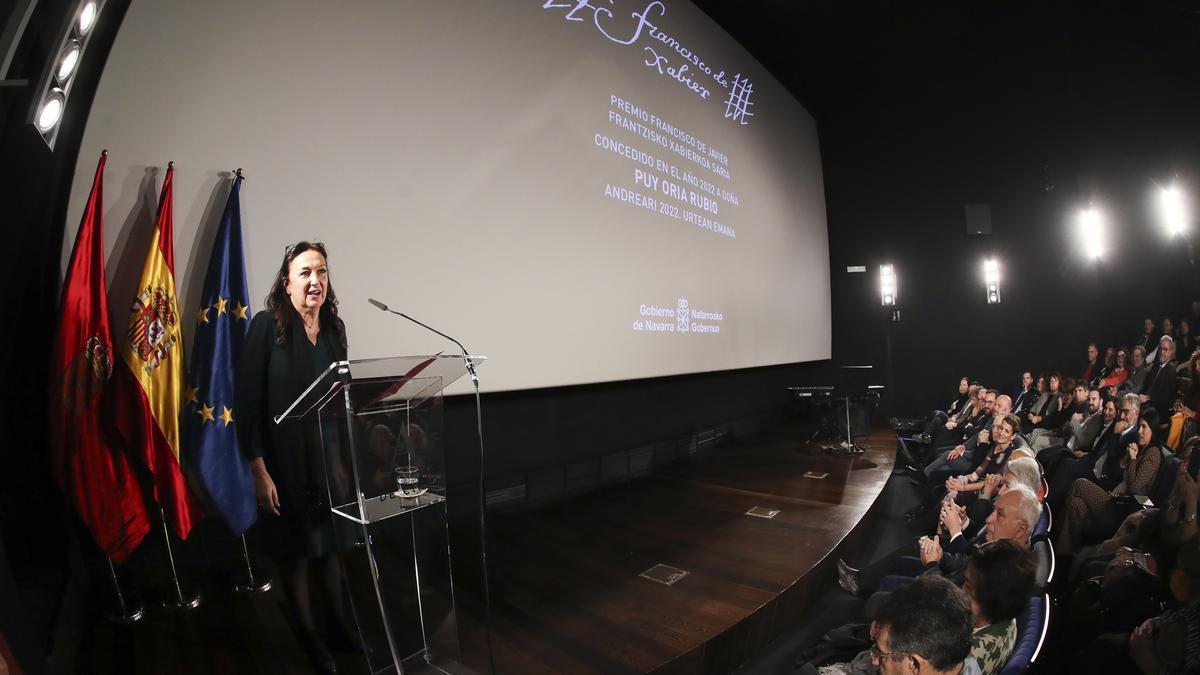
{"x": 1082, "y": 432}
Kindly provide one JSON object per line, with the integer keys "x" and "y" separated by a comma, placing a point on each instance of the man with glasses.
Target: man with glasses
{"x": 1159, "y": 390}
{"x": 923, "y": 627}
{"x": 1103, "y": 461}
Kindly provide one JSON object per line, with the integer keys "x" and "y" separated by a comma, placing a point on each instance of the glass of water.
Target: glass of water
{"x": 407, "y": 480}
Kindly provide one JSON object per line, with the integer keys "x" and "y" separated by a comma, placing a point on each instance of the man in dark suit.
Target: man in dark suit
{"x": 1159, "y": 389}
{"x": 1024, "y": 397}
{"x": 1146, "y": 339}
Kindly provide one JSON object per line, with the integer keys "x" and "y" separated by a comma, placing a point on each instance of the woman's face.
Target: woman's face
{"x": 307, "y": 281}
{"x": 1168, "y": 326}
{"x": 1185, "y": 328}
{"x": 1054, "y": 383}
{"x": 1041, "y": 385}
{"x": 1144, "y": 434}
{"x": 1003, "y": 432}
{"x": 1122, "y": 357}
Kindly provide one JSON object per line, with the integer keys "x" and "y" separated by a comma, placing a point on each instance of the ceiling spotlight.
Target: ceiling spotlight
{"x": 1173, "y": 207}
{"x": 887, "y": 285}
{"x": 87, "y": 17}
{"x": 1091, "y": 228}
{"x": 51, "y": 110}
{"x": 991, "y": 277}
{"x": 67, "y": 61}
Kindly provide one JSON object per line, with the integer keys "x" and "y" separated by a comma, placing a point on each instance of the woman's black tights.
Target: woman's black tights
{"x": 296, "y": 585}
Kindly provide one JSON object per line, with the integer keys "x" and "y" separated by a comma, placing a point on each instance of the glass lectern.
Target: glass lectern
{"x": 380, "y": 424}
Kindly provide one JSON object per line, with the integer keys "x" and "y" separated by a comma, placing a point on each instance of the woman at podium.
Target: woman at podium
{"x": 289, "y": 343}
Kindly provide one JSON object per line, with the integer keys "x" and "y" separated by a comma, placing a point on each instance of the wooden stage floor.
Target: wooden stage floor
{"x": 566, "y": 595}
{"x": 566, "y": 592}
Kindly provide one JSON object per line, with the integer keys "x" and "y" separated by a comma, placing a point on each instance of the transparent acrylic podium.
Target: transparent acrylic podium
{"x": 382, "y": 441}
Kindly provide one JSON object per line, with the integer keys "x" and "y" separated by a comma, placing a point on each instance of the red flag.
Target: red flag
{"x": 100, "y": 481}
{"x": 149, "y": 383}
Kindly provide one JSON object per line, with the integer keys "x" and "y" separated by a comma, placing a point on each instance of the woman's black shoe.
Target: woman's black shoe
{"x": 321, "y": 659}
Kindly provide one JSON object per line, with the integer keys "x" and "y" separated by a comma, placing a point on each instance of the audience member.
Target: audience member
{"x": 1158, "y": 391}
{"x": 1146, "y": 339}
{"x": 1137, "y": 373}
{"x": 1024, "y": 398}
{"x": 999, "y": 579}
{"x": 1092, "y": 511}
{"x": 923, "y": 628}
{"x": 1091, "y": 369}
{"x": 1119, "y": 373}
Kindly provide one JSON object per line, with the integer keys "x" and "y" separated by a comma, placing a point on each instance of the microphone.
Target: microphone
{"x": 465, "y": 354}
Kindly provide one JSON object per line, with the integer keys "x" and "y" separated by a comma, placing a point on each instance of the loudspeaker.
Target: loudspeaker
{"x": 979, "y": 219}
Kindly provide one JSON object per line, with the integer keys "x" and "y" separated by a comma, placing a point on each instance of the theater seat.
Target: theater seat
{"x": 1031, "y": 634}
{"x": 1046, "y": 563}
{"x": 1045, "y": 521}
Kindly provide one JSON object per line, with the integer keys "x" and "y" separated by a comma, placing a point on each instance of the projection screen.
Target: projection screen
{"x": 582, "y": 191}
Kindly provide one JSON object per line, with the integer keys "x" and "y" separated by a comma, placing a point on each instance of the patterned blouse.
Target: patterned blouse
{"x": 993, "y": 644}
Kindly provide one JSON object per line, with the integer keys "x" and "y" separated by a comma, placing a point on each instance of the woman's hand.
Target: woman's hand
{"x": 952, "y": 519}
{"x": 1132, "y": 449}
{"x": 931, "y": 550}
{"x": 264, "y": 487}
{"x": 955, "y": 484}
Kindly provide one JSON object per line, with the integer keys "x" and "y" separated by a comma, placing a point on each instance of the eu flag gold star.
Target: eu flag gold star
{"x": 189, "y": 395}
{"x": 227, "y": 416}
{"x": 240, "y": 311}
{"x": 202, "y": 317}
{"x": 220, "y": 305}
{"x": 206, "y": 413}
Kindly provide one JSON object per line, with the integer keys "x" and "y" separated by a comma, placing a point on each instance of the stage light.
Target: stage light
{"x": 67, "y": 61}
{"x": 991, "y": 277}
{"x": 887, "y": 285}
{"x": 87, "y": 17}
{"x": 1173, "y": 207}
{"x": 51, "y": 111}
{"x": 48, "y": 109}
{"x": 1091, "y": 229}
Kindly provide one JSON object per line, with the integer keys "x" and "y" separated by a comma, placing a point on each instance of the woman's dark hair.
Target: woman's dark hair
{"x": 1003, "y": 574}
{"x": 280, "y": 305}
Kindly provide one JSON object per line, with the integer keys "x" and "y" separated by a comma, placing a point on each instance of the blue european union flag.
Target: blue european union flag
{"x": 210, "y": 416}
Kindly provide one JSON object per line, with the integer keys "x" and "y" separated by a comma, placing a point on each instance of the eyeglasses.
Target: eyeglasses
{"x": 878, "y": 654}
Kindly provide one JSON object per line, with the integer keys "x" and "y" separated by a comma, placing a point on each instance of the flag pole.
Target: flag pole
{"x": 180, "y": 602}
{"x": 125, "y": 614}
{"x": 251, "y": 584}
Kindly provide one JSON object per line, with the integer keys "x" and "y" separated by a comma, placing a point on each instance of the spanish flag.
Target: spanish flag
{"x": 151, "y": 383}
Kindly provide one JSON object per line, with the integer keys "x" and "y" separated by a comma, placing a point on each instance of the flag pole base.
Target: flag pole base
{"x": 130, "y": 616}
{"x": 184, "y": 603}
{"x": 249, "y": 585}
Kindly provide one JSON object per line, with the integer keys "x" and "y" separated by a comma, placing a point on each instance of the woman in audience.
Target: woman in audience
{"x": 1185, "y": 343}
{"x": 1043, "y": 394}
{"x": 1183, "y": 420}
{"x": 994, "y": 463}
{"x": 1092, "y": 511}
{"x": 1000, "y": 578}
{"x": 1118, "y": 374}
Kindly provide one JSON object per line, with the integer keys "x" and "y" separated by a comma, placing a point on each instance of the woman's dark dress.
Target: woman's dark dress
{"x": 270, "y": 377}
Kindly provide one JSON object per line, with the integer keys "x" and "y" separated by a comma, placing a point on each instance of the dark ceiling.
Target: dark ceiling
{"x": 835, "y": 56}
